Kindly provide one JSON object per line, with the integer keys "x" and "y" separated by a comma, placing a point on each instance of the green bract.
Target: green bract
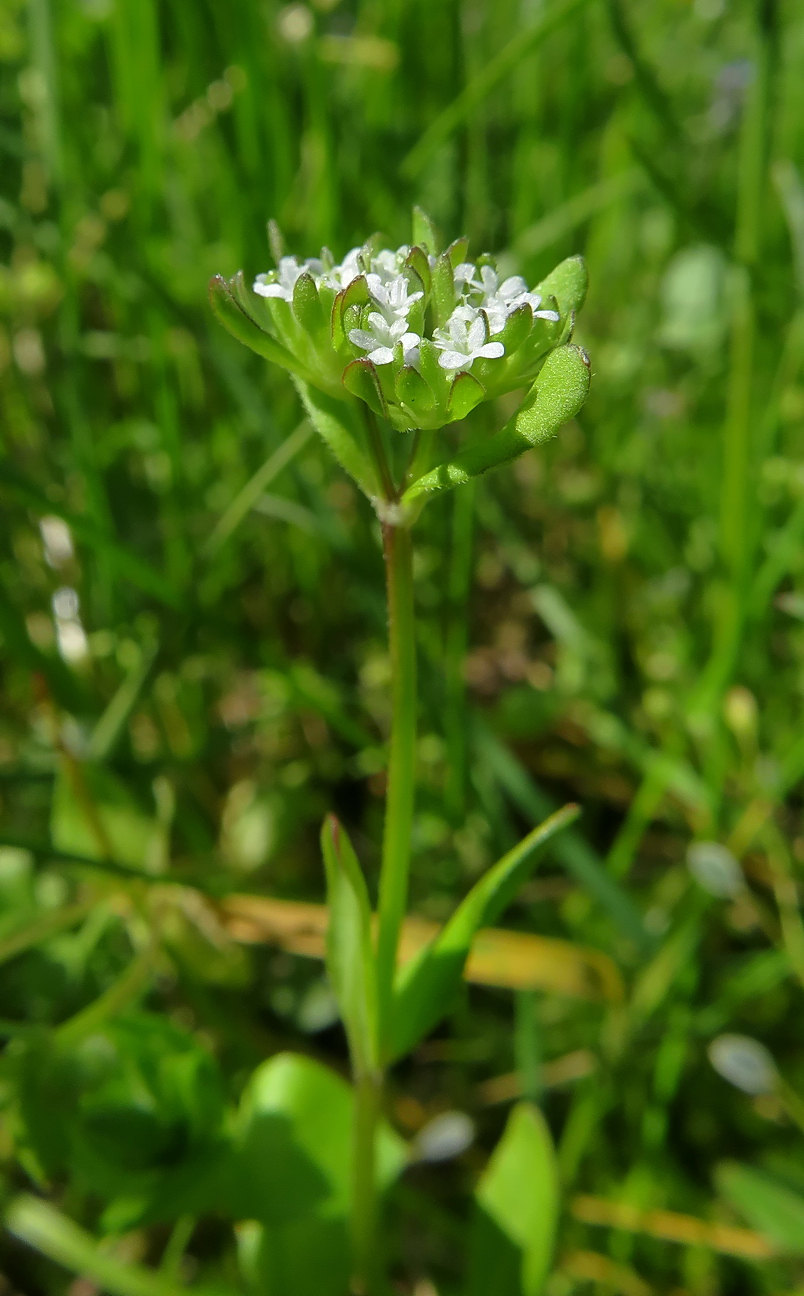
{"x": 417, "y": 336}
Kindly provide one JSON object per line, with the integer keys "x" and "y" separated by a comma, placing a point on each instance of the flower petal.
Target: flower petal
{"x": 381, "y": 356}
{"x": 454, "y": 360}
{"x": 362, "y": 338}
{"x": 491, "y": 351}
{"x": 548, "y": 315}
{"x": 477, "y": 333}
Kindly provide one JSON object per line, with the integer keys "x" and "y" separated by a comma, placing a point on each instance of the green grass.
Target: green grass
{"x": 616, "y": 619}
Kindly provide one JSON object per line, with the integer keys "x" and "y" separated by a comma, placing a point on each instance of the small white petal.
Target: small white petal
{"x": 362, "y": 338}
{"x": 548, "y": 315}
{"x": 477, "y": 334}
{"x": 410, "y": 339}
{"x": 381, "y": 356}
{"x": 513, "y": 287}
{"x": 454, "y": 360}
{"x": 491, "y": 351}
{"x": 271, "y": 290}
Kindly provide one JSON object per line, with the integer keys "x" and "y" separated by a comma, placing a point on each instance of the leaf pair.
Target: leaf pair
{"x": 426, "y": 984}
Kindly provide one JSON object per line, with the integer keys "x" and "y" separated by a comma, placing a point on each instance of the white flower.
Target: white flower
{"x": 286, "y": 275}
{"x": 380, "y": 338}
{"x": 387, "y": 264}
{"x": 340, "y": 276}
{"x": 499, "y": 299}
{"x": 464, "y": 340}
{"x": 394, "y": 298}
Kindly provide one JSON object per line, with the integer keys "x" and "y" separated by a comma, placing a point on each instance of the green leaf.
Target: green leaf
{"x": 234, "y": 319}
{"x": 350, "y": 953}
{"x": 557, "y": 394}
{"x": 418, "y": 262}
{"x": 442, "y": 295}
{"x": 466, "y": 392}
{"x": 770, "y": 1207}
{"x": 516, "y": 1211}
{"x": 427, "y": 982}
{"x": 294, "y": 1145}
{"x": 457, "y": 251}
{"x": 424, "y": 232}
{"x": 340, "y": 425}
{"x": 567, "y": 283}
{"x": 413, "y": 391}
{"x": 571, "y": 849}
{"x": 360, "y": 379}
{"x": 306, "y": 305}
{"x": 54, "y": 1235}
{"x": 308, "y": 1257}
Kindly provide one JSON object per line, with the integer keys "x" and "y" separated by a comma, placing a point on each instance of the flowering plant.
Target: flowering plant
{"x": 391, "y": 342}
{"x": 418, "y": 338}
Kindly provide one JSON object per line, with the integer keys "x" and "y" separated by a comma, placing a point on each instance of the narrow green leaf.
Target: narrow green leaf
{"x": 442, "y": 295}
{"x": 241, "y": 326}
{"x": 350, "y": 953}
{"x": 306, "y": 305}
{"x": 340, "y": 425}
{"x": 570, "y": 848}
{"x": 426, "y": 984}
{"x": 424, "y": 232}
{"x": 770, "y": 1207}
{"x": 516, "y": 1211}
{"x": 54, "y": 1235}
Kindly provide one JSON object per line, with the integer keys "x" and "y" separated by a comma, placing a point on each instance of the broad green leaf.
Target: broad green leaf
{"x": 426, "y": 984}
{"x": 108, "y": 824}
{"x": 350, "y": 952}
{"x": 308, "y": 1257}
{"x": 340, "y": 425}
{"x": 556, "y": 396}
{"x": 516, "y": 1211}
{"x": 43, "y": 1227}
{"x": 294, "y": 1144}
{"x": 130, "y": 1109}
{"x": 770, "y": 1207}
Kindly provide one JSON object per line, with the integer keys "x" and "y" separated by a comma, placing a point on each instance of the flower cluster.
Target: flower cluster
{"x": 420, "y": 337}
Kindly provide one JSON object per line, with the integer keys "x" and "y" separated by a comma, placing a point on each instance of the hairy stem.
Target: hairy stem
{"x": 368, "y": 1098}
{"x": 398, "y": 549}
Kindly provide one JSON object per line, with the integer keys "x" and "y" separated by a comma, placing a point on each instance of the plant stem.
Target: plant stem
{"x": 368, "y": 1097}
{"x": 398, "y": 550}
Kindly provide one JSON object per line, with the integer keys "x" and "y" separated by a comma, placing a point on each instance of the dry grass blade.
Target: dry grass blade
{"x": 590, "y": 1266}
{"x": 672, "y": 1227}
{"x": 509, "y": 960}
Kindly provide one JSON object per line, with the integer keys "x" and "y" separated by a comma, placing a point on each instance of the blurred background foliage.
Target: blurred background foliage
{"x": 192, "y": 613}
